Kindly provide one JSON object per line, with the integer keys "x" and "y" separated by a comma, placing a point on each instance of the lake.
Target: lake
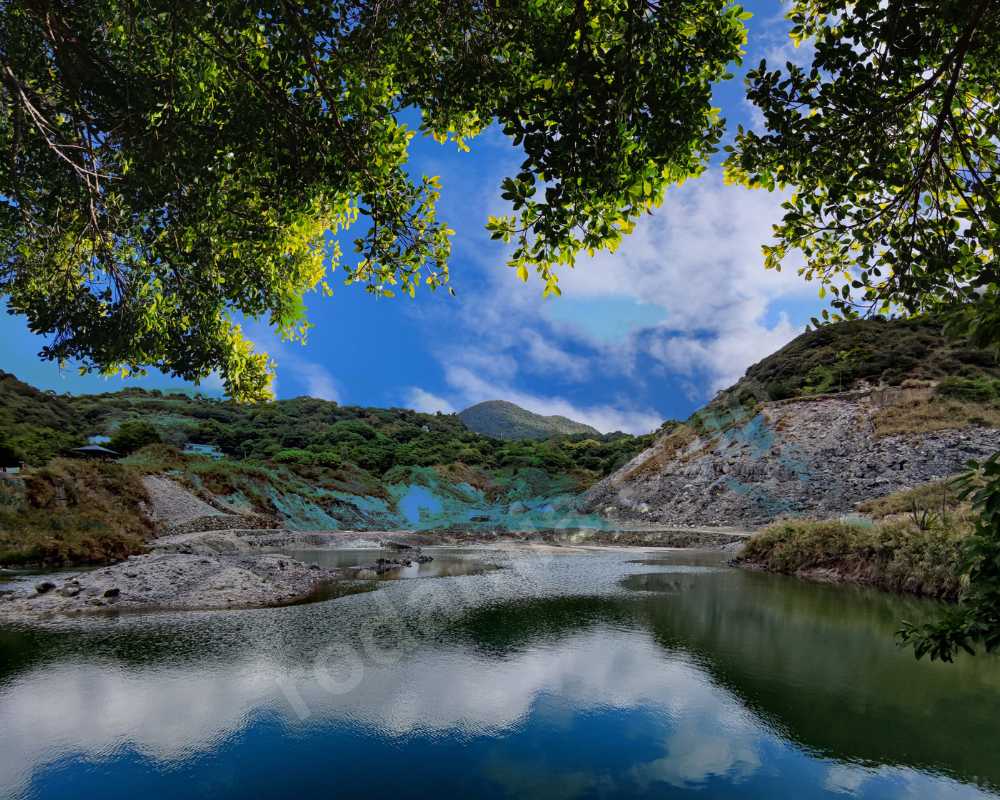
{"x": 576, "y": 675}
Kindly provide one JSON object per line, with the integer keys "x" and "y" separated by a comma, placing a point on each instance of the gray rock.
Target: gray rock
{"x": 817, "y": 457}
{"x": 175, "y": 581}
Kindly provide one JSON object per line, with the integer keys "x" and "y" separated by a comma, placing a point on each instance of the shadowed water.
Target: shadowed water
{"x": 446, "y": 561}
{"x": 586, "y": 675}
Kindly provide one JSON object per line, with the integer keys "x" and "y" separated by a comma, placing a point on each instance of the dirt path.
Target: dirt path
{"x": 172, "y": 504}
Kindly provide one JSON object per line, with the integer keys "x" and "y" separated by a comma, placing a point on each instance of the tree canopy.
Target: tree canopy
{"x": 171, "y": 168}
{"x": 132, "y": 435}
{"x": 888, "y": 141}
{"x": 890, "y": 144}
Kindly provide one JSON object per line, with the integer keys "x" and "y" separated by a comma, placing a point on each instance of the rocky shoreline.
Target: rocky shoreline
{"x": 170, "y": 581}
{"x": 226, "y": 570}
{"x": 207, "y": 558}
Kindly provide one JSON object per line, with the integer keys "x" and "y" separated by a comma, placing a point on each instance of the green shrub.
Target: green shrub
{"x": 820, "y": 380}
{"x": 134, "y": 434}
{"x": 897, "y": 556}
{"x": 781, "y": 390}
{"x": 939, "y": 498}
{"x": 979, "y": 389}
{"x": 294, "y": 456}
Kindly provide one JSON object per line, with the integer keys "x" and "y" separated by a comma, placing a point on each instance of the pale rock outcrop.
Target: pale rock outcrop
{"x": 816, "y": 457}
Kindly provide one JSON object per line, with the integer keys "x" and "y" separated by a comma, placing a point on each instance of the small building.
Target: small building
{"x": 95, "y": 451}
{"x": 10, "y": 469}
{"x": 206, "y": 450}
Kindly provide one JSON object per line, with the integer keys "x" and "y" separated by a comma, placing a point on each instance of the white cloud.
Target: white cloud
{"x": 173, "y": 713}
{"x": 213, "y": 384}
{"x": 318, "y": 380}
{"x": 774, "y": 40}
{"x": 543, "y": 355}
{"x": 724, "y": 355}
{"x": 698, "y": 258}
{"x": 780, "y": 54}
{"x": 420, "y": 400}
{"x": 699, "y": 749}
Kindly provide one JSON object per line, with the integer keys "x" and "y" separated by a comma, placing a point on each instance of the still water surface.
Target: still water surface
{"x": 558, "y": 676}
{"x": 447, "y": 561}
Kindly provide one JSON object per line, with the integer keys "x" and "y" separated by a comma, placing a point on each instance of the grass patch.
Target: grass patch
{"x": 72, "y": 512}
{"x": 897, "y": 556}
{"x": 922, "y": 414}
{"x": 938, "y": 498}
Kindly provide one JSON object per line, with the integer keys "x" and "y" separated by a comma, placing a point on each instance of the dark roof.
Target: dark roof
{"x": 95, "y": 449}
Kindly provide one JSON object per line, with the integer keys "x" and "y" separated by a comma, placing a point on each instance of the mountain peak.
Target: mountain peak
{"x": 502, "y": 419}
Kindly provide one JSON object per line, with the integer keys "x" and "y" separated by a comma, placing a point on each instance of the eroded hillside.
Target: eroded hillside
{"x": 871, "y": 408}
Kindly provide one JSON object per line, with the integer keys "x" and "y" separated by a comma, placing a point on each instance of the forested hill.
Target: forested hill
{"x": 303, "y": 431}
{"x": 308, "y": 464}
{"x": 504, "y": 420}
{"x": 873, "y": 352}
{"x": 36, "y": 425}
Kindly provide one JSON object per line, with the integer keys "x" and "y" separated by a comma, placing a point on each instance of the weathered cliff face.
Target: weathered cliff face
{"x": 818, "y": 457}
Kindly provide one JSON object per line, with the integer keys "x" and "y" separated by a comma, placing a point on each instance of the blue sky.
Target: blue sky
{"x": 649, "y": 333}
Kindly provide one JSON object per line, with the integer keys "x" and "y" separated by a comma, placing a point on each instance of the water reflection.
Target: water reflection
{"x": 727, "y": 683}
{"x": 447, "y": 562}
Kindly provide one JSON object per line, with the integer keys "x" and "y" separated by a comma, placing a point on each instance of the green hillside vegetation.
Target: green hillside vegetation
{"x": 840, "y": 357}
{"x": 306, "y": 433}
{"x": 501, "y": 419}
{"x": 35, "y": 425}
{"x": 312, "y": 463}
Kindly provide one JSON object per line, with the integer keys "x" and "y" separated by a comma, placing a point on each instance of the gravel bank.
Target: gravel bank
{"x": 174, "y": 581}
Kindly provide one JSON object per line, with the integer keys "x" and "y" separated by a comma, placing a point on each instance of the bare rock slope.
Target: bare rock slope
{"x": 815, "y": 457}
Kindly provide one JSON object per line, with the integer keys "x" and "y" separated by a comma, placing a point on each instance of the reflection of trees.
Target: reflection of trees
{"x": 817, "y": 663}
{"x": 138, "y": 641}
{"x": 20, "y": 650}
{"x": 820, "y": 664}
{"x": 504, "y": 629}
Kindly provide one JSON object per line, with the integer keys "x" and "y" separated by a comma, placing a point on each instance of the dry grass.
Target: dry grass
{"x": 73, "y": 512}
{"x": 928, "y": 414}
{"x": 463, "y": 473}
{"x": 937, "y": 497}
{"x": 666, "y": 449}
